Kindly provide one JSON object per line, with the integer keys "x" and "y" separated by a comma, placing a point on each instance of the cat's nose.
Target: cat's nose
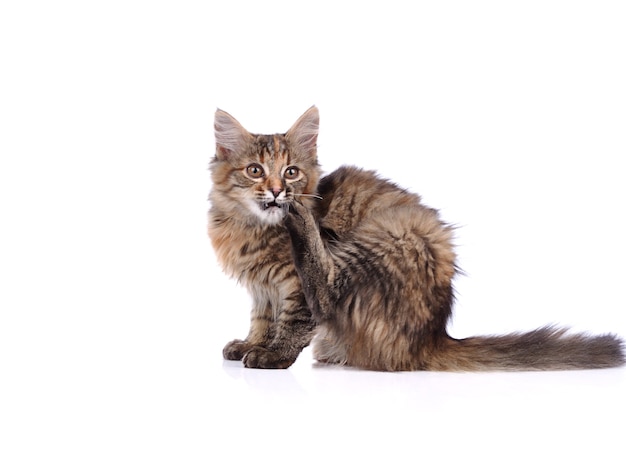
{"x": 276, "y": 191}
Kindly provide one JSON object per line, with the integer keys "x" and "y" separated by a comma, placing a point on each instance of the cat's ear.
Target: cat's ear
{"x": 230, "y": 136}
{"x": 303, "y": 134}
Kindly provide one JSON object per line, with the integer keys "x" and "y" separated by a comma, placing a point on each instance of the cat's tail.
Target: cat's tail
{"x": 548, "y": 348}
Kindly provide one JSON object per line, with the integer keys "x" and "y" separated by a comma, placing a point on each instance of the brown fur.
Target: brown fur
{"x": 355, "y": 260}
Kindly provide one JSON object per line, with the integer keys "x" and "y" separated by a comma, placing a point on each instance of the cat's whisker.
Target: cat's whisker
{"x": 316, "y": 196}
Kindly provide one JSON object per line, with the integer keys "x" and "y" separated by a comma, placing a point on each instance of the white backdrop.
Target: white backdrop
{"x": 508, "y": 116}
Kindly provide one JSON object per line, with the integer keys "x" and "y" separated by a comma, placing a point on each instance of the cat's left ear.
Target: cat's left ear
{"x": 303, "y": 134}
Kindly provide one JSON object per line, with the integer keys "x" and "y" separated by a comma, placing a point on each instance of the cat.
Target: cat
{"x": 353, "y": 263}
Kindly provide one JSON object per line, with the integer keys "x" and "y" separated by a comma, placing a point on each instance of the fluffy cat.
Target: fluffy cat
{"x": 354, "y": 261}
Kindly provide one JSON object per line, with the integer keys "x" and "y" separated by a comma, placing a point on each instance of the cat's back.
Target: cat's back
{"x": 351, "y": 196}
{"x": 359, "y": 208}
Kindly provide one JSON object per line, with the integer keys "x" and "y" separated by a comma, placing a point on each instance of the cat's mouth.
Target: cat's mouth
{"x": 271, "y": 205}
{"x": 271, "y": 212}
{"x": 267, "y": 205}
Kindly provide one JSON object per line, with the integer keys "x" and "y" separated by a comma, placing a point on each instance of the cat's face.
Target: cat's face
{"x": 258, "y": 176}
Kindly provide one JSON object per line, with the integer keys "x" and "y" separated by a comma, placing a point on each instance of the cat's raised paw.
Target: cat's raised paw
{"x": 298, "y": 217}
{"x": 259, "y": 357}
{"x": 236, "y": 349}
{"x": 296, "y": 208}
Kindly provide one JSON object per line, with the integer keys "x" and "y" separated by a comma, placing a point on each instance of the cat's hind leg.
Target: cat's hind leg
{"x": 327, "y": 349}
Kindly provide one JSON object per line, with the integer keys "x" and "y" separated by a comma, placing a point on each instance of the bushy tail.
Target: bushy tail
{"x": 548, "y": 348}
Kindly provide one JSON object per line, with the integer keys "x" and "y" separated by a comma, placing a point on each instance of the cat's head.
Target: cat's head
{"x": 258, "y": 176}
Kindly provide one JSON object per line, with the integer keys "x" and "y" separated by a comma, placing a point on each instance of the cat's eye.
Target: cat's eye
{"x": 255, "y": 171}
{"x": 292, "y": 172}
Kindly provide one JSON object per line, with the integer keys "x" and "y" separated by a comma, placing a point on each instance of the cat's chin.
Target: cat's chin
{"x": 270, "y": 213}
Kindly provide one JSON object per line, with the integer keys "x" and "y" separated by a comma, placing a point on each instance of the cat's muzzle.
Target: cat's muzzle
{"x": 267, "y": 205}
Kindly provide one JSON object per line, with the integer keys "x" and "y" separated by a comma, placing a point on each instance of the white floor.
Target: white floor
{"x": 311, "y": 412}
{"x": 144, "y": 377}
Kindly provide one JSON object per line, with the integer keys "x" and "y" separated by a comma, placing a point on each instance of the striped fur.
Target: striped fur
{"x": 355, "y": 260}
{"x": 251, "y": 242}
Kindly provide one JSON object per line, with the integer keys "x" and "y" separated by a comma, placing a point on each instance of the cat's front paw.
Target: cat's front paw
{"x": 259, "y": 357}
{"x": 298, "y": 217}
{"x": 236, "y": 349}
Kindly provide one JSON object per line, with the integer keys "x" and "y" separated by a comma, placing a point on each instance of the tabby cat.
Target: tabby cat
{"x": 354, "y": 263}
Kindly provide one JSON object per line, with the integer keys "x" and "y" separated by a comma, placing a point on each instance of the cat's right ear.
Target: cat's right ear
{"x": 230, "y": 136}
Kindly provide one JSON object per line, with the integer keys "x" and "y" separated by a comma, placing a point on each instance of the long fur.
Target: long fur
{"x": 367, "y": 268}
